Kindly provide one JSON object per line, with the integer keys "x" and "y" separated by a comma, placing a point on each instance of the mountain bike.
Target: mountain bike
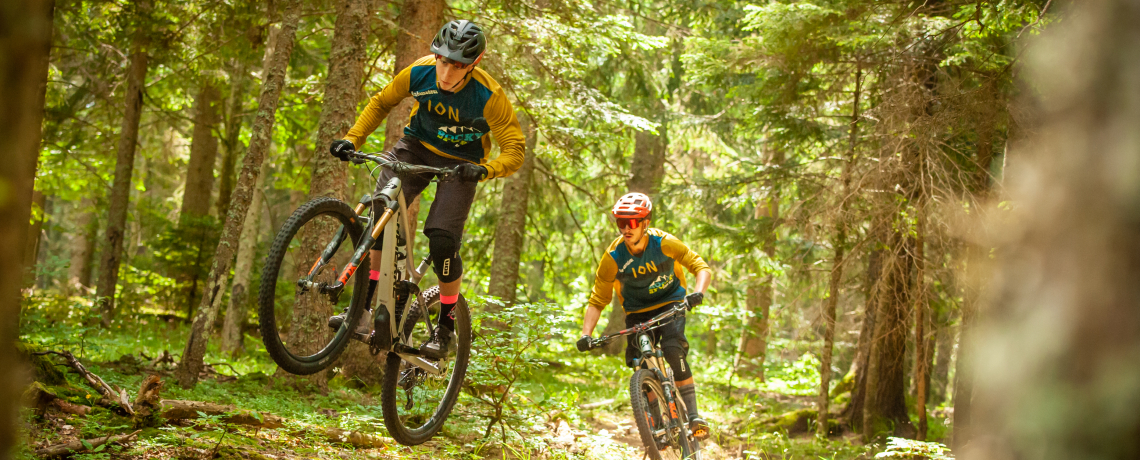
{"x": 301, "y": 288}
{"x": 661, "y": 416}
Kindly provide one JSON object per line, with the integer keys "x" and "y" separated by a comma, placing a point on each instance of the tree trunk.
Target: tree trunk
{"x": 203, "y": 151}
{"x": 511, "y": 227}
{"x": 232, "y": 142}
{"x": 32, "y": 244}
{"x": 25, "y": 38}
{"x": 199, "y": 183}
{"x": 975, "y": 254}
{"x": 418, "y": 23}
{"x": 647, "y": 167}
{"x": 884, "y": 409}
{"x": 853, "y": 413}
{"x": 112, "y": 252}
{"x": 216, "y": 282}
{"x": 838, "y": 245}
{"x": 921, "y": 355}
{"x": 1062, "y": 332}
{"x": 82, "y": 247}
{"x": 940, "y": 378}
{"x": 330, "y": 178}
{"x": 753, "y": 348}
{"x": 232, "y": 338}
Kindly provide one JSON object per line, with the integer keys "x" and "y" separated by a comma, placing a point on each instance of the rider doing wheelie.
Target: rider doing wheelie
{"x": 644, "y": 266}
{"x": 457, "y": 106}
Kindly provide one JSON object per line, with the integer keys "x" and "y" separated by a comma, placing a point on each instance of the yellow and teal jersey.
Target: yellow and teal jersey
{"x": 648, "y": 280}
{"x": 455, "y": 124}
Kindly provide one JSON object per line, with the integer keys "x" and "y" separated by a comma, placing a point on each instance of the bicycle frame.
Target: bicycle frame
{"x": 654, "y": 358}
{"x": 387, "y": 335}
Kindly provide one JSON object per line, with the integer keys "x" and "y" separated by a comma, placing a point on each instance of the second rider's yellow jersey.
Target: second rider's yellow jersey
{"x": 648, "y": 280}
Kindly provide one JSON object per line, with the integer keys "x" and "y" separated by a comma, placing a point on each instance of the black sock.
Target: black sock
{"x": 689, "y": 396}
{"x": 446, "y": 316}
{"x": 371, "y": 291}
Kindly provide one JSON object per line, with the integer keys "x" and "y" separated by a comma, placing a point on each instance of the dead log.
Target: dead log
{"x": 174, "y": 409}
{"x": 97, "y": 383}
{"x": 148, "y": 402}
{"x": 40, "y": 398}
{"x": 75, "y": 447}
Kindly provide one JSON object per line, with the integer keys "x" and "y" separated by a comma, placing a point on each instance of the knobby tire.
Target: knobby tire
{"x": 681, "y": 446}
{"x": 305, "y": 365}
{"x": 390, "y": 395}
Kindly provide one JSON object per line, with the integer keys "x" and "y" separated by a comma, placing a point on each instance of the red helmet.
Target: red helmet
{"x": 633, "y": 206}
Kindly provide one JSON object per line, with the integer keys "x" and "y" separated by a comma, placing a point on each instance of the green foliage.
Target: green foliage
{"x": 908, "y": 448}
{"x": 505, "y": 346}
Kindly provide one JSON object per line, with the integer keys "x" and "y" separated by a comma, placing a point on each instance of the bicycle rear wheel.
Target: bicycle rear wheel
{"x": 663, "y": 431}
{"x": 293, "y": 318}
{"x": 416, "y": 403}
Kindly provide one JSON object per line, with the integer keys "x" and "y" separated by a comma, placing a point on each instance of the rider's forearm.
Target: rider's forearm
{"x": 591, "y": 320}
{"x": 704, "y": 278}
{"x": 505, "y": 127}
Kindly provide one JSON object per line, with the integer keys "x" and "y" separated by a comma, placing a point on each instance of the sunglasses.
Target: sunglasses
{"x": 631, "y": 223}
{"x": 450, "y": 62}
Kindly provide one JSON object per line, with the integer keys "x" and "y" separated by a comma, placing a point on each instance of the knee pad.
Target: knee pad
{"x": 675, "y": 356}
{"x": 445, "y": 261}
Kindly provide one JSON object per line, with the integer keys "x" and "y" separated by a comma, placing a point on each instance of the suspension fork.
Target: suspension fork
{"x": 330, "y": 249}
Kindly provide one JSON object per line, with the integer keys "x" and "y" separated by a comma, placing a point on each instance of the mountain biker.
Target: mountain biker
{"x": 457, "y": 105}
{"x": 644, "y": 265}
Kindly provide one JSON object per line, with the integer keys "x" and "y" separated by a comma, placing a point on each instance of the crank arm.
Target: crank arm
{"x": 427, "y": 366}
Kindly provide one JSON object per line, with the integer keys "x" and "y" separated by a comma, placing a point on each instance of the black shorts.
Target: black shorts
{"x": 671, "y": 335}
{"x": 453, "y": 198}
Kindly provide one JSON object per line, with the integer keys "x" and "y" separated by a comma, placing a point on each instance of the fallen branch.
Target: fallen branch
{"x": 597, "y": 404}
{"x": 96, "y": 382}
{"x": 40, "y": 398}
{"x": 174, "y": 409}
{"x": 75, "y": 447}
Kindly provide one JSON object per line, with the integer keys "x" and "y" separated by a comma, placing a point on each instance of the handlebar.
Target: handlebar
{"x": 401, "y": 168}
{"x": 678, "y": 309}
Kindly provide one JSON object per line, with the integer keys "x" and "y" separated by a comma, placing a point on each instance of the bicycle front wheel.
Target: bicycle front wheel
{"x": 416, "y": 402}
{"x": 664, "y": 431}
{"x": 308, "y": 254}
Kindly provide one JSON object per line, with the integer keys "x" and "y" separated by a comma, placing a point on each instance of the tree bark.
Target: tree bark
{"x": 510, "y": 230}
{"x": 853, "y": 413}
{"x": 417, "y": 24}
{"x": 884, "y": 407}
{"x": 216, "y": 282}
{"x": 25, "y": 37}
{"x": 232, "y": 142}
{"x": 112, "y": 252}
{"x": 32, "y": 245}
{"x": 236, "y": 312}
{"x": 199, "y": 183}
{"x": 1061, "y": 329}
{"x": 330, "y": 178}
{"x": 203, "y": 151}
{"x": 921, "y": 355}
{"x": 838, "y": 244}
{"x": 940, "y": 378}
{"x": 753, "y": 347}
{"x": 963, "y": 376}
{"x": 82, "y": 247}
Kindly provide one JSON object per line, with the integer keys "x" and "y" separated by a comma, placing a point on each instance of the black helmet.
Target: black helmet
{"x": 461, "y": 41}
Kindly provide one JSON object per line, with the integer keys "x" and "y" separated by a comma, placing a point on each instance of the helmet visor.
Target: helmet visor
{"x": 623, "y": 222}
